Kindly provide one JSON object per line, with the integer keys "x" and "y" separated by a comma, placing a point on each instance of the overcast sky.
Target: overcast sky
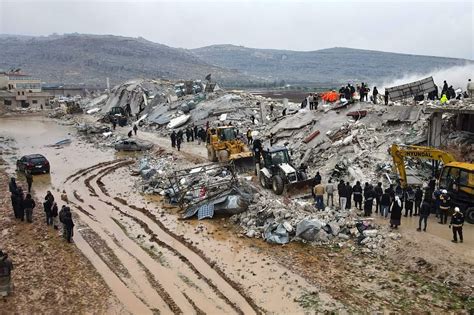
{"x": 440, "y": 28}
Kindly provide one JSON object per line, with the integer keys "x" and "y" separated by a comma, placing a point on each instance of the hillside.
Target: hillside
{"x": 90, "y": 59}
{"x": 334, "y": 65}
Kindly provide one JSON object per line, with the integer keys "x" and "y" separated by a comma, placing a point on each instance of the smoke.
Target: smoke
{"x": 456, "y": 76}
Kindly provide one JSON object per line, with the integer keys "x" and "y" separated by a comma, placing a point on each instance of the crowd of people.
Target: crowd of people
{"x": 392, "y": 203}
{"x": 23, "y": 208}
{"x": 191, "y": 133}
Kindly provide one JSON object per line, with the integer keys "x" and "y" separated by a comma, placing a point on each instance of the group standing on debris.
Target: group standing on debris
{"x": 392, "y": 201}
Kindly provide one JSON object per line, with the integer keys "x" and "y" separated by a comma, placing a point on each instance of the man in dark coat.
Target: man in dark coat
{"x": 173, "y": 139}
{"x": 378, "y": 191}
{"x": 357, "y": 191}
{"x": 409, "y": 201}
{"x": 29, "y": 179}
{"x": 68, "y": 224}
{"x": 12, "y": 186}
{"x": 29, "y": 204}
{"x": 375, "y": 94}
{"x": 424, "y": 214}
{"x": 342, "y": 191}
{"x": 418, "y": 199}
{"x": 178, "y": 142}
{"x": 317, "y": 178}
{"x": 6, "y": 267}
{"x": 368, "y": 199}
{"x": 349, "y": 195}
{"x": 385, "y": 202}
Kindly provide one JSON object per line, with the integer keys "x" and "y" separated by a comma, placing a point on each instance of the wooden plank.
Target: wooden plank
{"x": 311, "y": 136}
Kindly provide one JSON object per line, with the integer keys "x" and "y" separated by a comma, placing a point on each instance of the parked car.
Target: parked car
{"x": 35, "y": 163}
{"x": 132, "y": 145}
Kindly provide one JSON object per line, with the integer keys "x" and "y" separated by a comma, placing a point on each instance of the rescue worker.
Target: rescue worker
{"x": 424, "y": 214}
{"x": 29, "y": 179}
{"x": 444, "y": 99}
{"x": 349, "y": 195}
{"x": 330, "y": 192}
{"x": 173, "y": 139}
{"x": 457, "y": 221}
{"x": 357, "y": 191}
{"x": 396, "y": 213}
{"x": 444, "y": 207}
{"x": 29, "y": 204}
{"x": 385, "y": 202}
{"x": 135, "y": 129}
{"x": 409, "y": 201}
{"x": 378, "y": 192}
{"x": 418, "y": 199}
{"x": 6, "y": 267}
{"x": 319, "y": 196}
{"x": 342, "y": 192}
{"x": 249, "y": 136}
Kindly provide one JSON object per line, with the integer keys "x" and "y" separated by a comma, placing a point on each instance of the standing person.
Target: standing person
{"x": 436, "y": 201}
{"x": 317, "y": 178}
{"x": 29, "y": 179}
{"x": 271, "y": 109}
{"x": 15, "y": 204}
{"x": 368, "y": 199}
{"x": 187, "y": 134}
{"x": 180, "y": 135}
{"x": 6, "y": 267}
{"x": 29, "y": 204}
{"x": 444, "y": 206}
{"x": 135, "y": 129}
{"x": 385, "y": 97}
{"x": 252, "y": 117}
{"x": 12, "y": 186}
{"x": 202, "y": 135}
{"x": 342, "y": 192}
{"x": 178, "y": 143}
{"x": 47, "y": 204}
{"x": 20, "y": 203}
{"x": 114, "y": 123}
{"x": 357, "y": 191}
{"x": 130, "y": 133}
{"x": 375, "y": 94}
{"x": 330, "y": 193}
{"x": 62, "y": 214}
{"x": 409, "y": 201}
{"x": 457, "y": 221}
{"x": 191, "y": 133}
{"x": 418, "y": 199}
{"x": 249, "y": 136}
{"x": 49, "y": 197}
{"x": 424, "y": 214}
{"x": 54, "y": 216}
{"x": 385, "y": 203}
{"x": 378, "y": 192}
{"x": 470, "y": 88}
{"x": 69, "y": 225}
{"x": 349, "y": 195}
{"x": 196, "y": 132}
{"x": 173, "y": 139}
{"x": 396, "y": 213}
{"x": 445, "y": 88}
{"x": 319, "y": 196}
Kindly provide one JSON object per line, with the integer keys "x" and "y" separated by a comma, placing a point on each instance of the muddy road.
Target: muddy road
{"x": 154, "y": 263}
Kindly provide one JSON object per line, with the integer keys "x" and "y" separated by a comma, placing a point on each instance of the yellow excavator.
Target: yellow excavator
{"x": 223, "y": 145}
{"x": 456, "y": 177}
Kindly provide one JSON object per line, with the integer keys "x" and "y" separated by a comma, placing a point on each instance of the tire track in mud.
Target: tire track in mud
{"x": 235, "y": 286}
{"x": 193, "y": 258}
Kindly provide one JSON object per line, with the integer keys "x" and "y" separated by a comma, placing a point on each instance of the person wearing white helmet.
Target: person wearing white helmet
{"x": 456, "y": 223}
{"x": 444, "y": 207}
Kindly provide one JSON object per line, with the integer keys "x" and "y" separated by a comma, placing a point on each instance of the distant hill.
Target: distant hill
{"x": 333, "y": 65}
{"x": 90, "y": 59}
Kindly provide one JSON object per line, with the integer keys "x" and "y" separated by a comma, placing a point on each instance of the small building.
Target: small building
{"x": 22, "y": 90}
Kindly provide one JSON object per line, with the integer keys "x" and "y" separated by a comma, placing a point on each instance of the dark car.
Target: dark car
{"x": 132, "y": 145}
{"x": 36, "y": 163}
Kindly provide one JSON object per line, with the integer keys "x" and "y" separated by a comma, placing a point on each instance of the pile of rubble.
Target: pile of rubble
{"x": 280, "y": 222}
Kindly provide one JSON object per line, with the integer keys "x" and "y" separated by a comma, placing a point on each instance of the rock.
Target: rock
{"x": 343, "y": 236}
{"x": 334, "y": 228}
{"x": 370, "y": 233}
{"x": 365, "y": 241}
{"x": 250, "y": 233}
{"x": 321, "y": 236}
{"x": 288, "y": 226}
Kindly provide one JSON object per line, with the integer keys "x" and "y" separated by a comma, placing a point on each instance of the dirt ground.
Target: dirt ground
{"x": 50, "y": 275}
{"x": 132, "y": 254}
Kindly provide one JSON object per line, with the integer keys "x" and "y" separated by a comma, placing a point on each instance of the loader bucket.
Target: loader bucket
{"x": 300, "y": 189}
{"x": 243, "y": 162}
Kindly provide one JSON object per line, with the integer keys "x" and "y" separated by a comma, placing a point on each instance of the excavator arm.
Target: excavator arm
{"x": 399, "y": 152}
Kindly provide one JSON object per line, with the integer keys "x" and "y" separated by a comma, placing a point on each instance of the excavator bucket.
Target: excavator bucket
{"x": 300, "y": 189}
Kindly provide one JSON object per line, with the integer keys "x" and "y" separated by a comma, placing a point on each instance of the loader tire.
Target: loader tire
{"x": 470, "y": 215}
{"x": 277, "y": 185}
{"x": 222, "y": 155}
{"x": 211, "y": 154}
{"x": 264, "y": 181}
